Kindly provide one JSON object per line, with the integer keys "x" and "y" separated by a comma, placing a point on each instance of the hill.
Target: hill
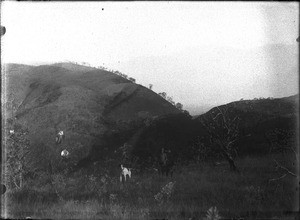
{"x": 188, "y": 139}
{"x": 99, "y": 111}
{"x": 88, "y": 104}
{"x": 259, "y": 117}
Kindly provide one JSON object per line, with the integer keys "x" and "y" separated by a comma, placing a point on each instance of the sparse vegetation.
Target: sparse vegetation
{"x": 223, "y": 129}
{"x": 190, "y": 193}
{"x": 178, "y": 105}
{"x": 16, "y": 157}
{"x": 108, "y": 120}
{"x": 163, "y": 94}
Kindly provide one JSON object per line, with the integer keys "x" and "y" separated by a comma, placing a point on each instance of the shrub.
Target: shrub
{"x": 212, "y": 214}
{"x": 165, "y": 193}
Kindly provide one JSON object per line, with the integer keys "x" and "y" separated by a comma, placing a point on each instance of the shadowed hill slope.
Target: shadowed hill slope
{"x": 258, "y": 117}
{"x": 184, "y": 136}
{"x": 86, "y": 103}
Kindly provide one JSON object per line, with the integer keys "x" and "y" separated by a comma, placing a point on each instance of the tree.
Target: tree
{"x": 170, "y": 99}
{"x": 163, "y": 94}
{"x": 132, "y": 79}
{"x": 186, "y": 113}
{"x": 179, "y": 106}
{"x": 150, "y": 86}
{"x": 223, "y": 129}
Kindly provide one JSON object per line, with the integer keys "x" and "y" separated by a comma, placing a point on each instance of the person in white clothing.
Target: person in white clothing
{"x": 59, "y": 137}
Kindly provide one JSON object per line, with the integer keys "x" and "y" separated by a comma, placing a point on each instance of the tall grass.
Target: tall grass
{"x": 189, "y": 194}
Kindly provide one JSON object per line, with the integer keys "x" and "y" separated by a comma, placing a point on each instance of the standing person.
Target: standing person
{"x": 59, "y": 137}
{"x": 166, "y": 162}
{"x": 163, "y": 161}
{"x": 164, "y": 156}
{"x": 65, "y": 159}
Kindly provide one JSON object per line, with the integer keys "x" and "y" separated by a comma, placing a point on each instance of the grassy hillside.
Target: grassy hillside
{"x": 14, "y": 85}
{"x": 259, "y": 117}
{"x": 188, "y": 139}
{"x": 85, "y": 102}
{"x": 99, "y": 111}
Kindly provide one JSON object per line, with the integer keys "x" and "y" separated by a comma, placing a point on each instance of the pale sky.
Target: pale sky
{"x": 117, "y": 34}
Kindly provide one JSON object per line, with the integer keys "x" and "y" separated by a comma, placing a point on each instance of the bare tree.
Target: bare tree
{"x": 17, "y": 149}
{"x": 223, "y": 129}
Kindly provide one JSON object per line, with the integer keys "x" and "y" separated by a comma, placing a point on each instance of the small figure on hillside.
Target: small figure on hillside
{"x": 65, "y": 153}
{"x": 59, "y": 137}
{"x": 166, "y": 163}
{"x": 163, "y": 156}
{"x": 67, "y": 165}
{"x": 125, "y": 150}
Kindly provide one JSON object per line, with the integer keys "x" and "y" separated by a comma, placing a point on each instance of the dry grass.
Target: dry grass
{"x": 196, "y": 189}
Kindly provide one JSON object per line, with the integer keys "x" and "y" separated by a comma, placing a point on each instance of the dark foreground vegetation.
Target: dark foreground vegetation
{"x": 254, "y": 193}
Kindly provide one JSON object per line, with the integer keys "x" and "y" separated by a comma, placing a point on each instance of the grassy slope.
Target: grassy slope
{"x": 197, "y": 188}
{"x": 84, "y": 102}
{"x": 260, "y": 116}
{"x": 14, "y": 85}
